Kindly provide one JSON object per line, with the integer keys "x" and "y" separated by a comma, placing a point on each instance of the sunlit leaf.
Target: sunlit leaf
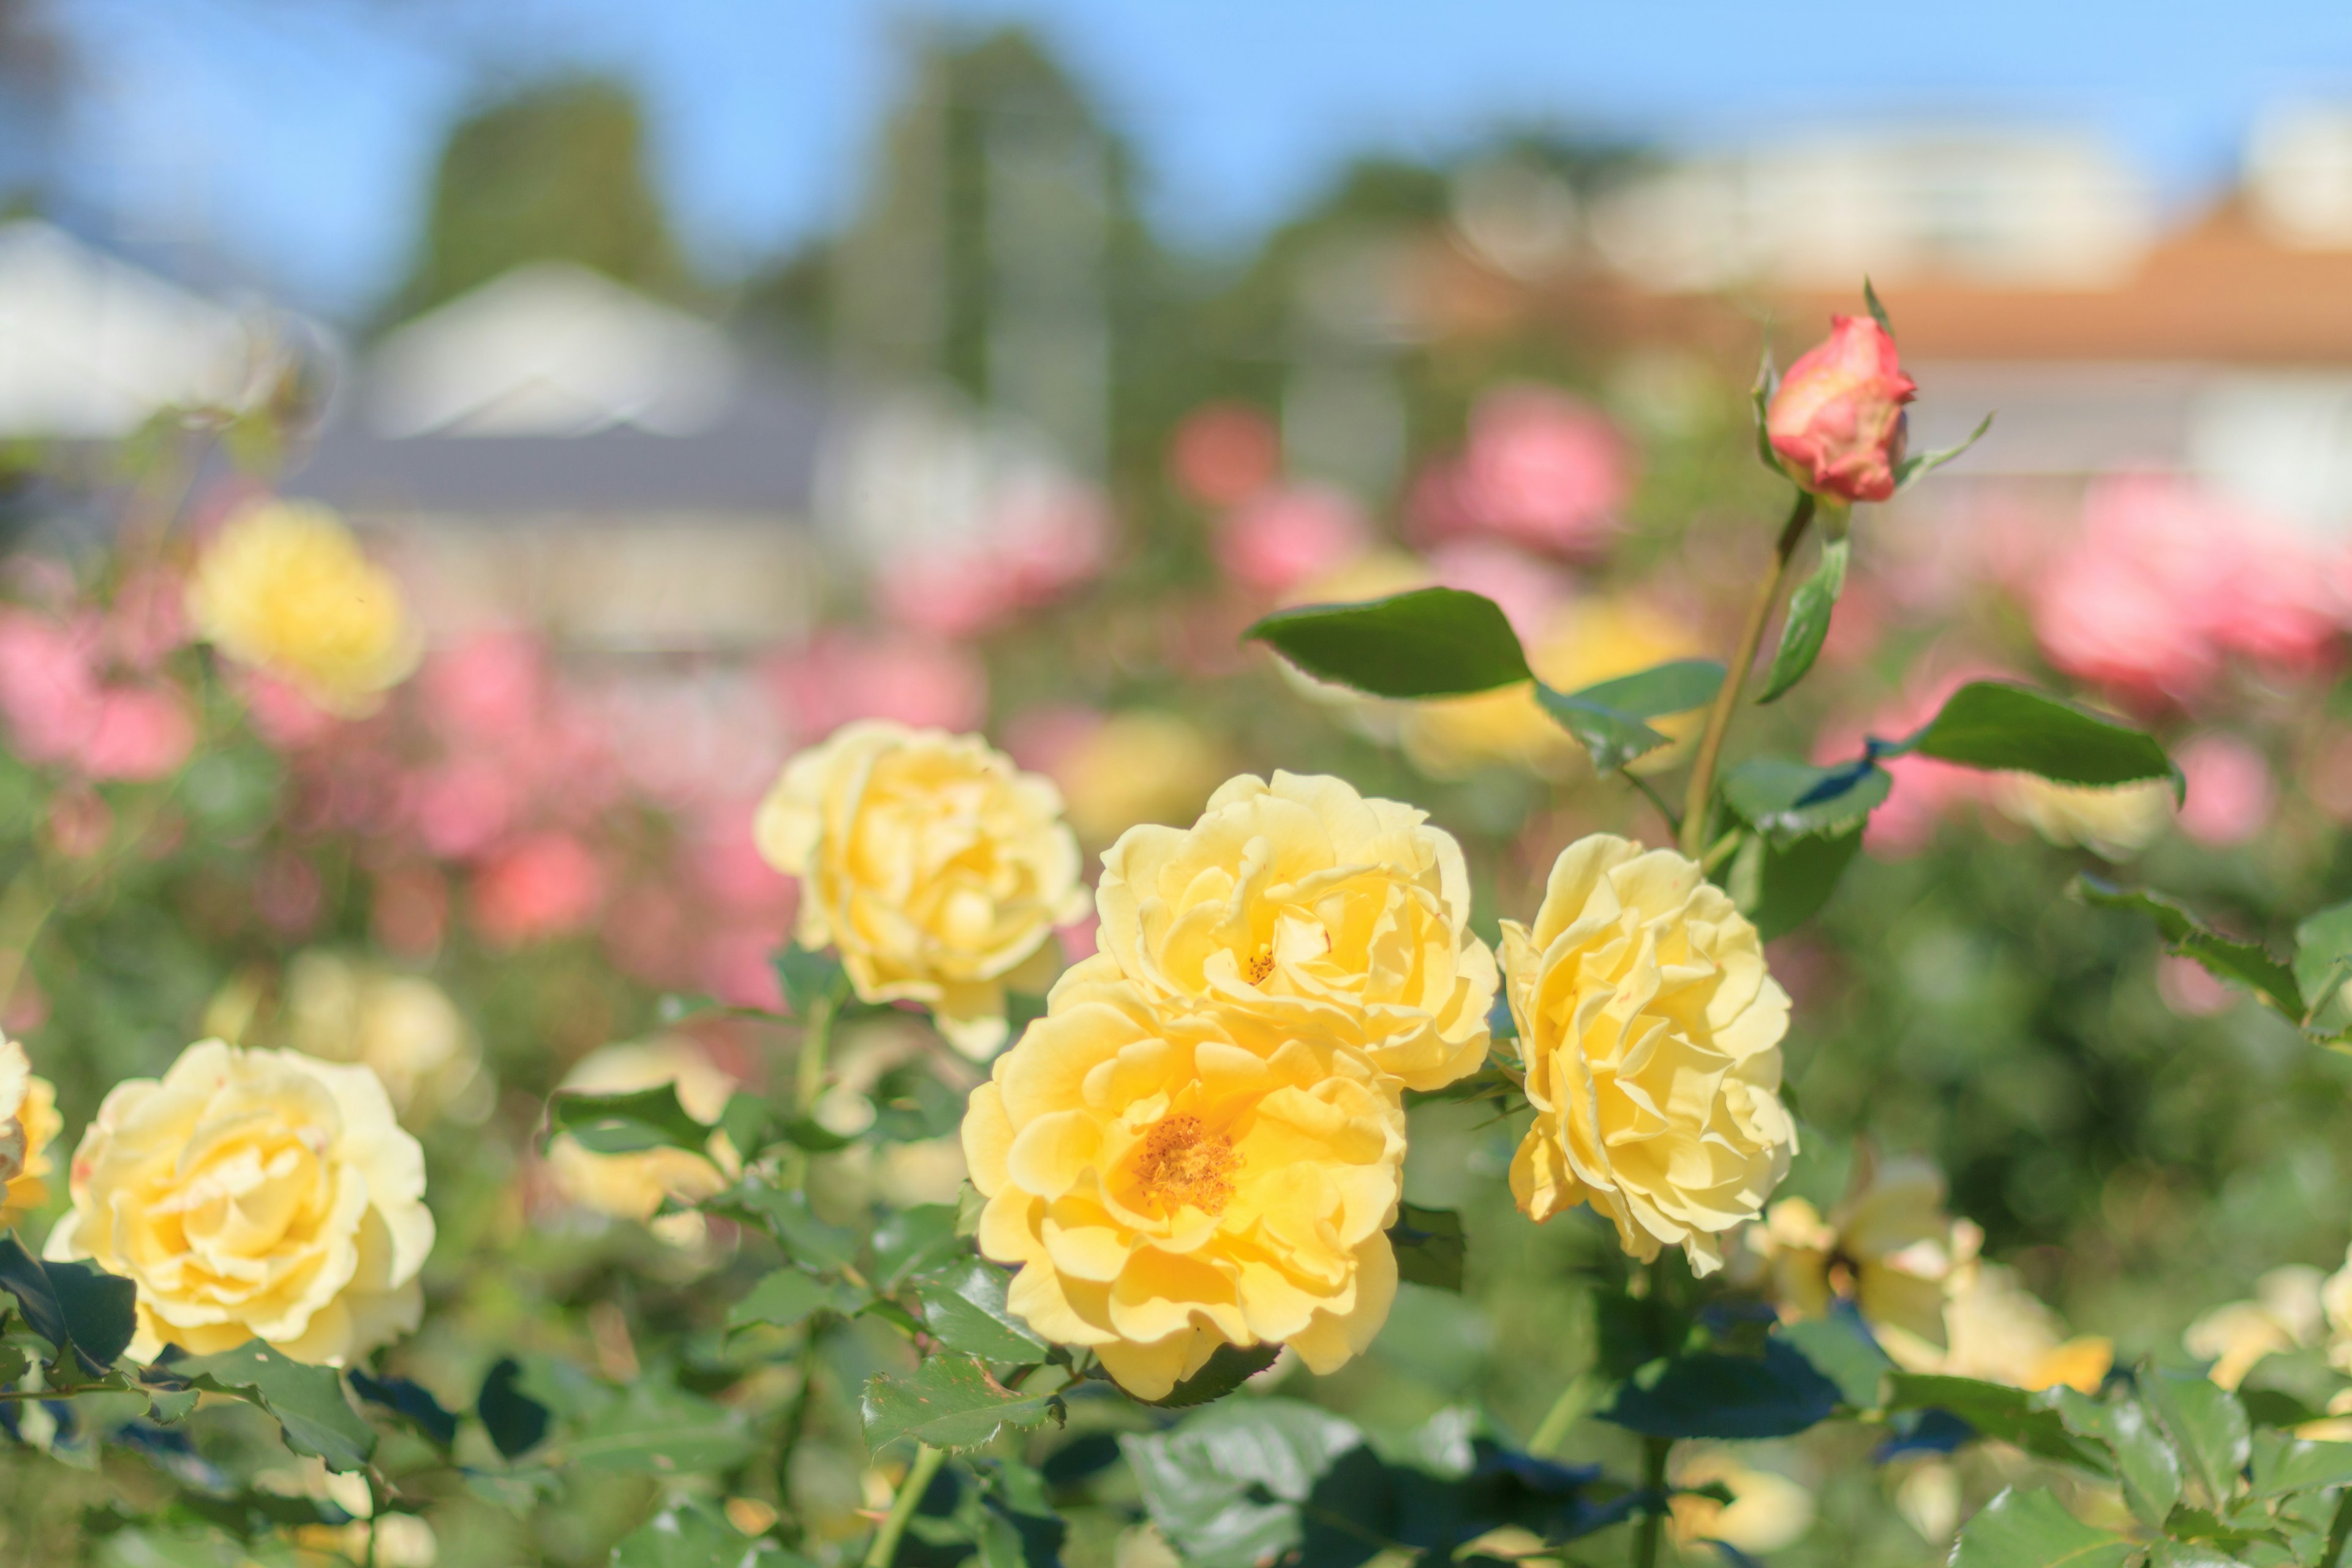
{"x": 1788, "y": 799}
{"x": 308, "y": 1401}
{"x": 2033, "y": 1529}
{"x": 1808, "y": 623}
{"x": 1430, "y": 642}
{"x": 1995, "y": 725}
{"x": 964, "y": 1309}
{"x": 1607, "y": 718}
{"x": 949, "y": 1402}
{"x": 627, "y": 1124}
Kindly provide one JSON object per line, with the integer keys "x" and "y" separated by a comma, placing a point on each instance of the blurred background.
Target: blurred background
{"x": 715, "y": 374}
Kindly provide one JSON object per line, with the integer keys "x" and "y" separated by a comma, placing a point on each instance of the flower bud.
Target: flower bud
{"x": 1837, "y": 418}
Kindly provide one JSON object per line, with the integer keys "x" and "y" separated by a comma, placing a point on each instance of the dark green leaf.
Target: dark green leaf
{"x": 810, "y": 978}
{"x": 1429, "y": 1247}
{"x": 1840, "y": 1348}
{"x": 963, "y": 1306}
{"x": 785, "y": 1298}
{"x": 693, "y": 1534}
{"x": 70, "y": 1304}
{"x": 1779, "y": 886}
{"x": 2208, "y": 1528}
{"x": 1227, "y": 1368}
{"x": 2206, "y": 1423}
{"x": 2323, "y": 963}
{"x": 1224, "y": 1485}
{"x": 308, "y": 1401}
{"x": 1997, "y": 1410}
{"x": 914, "y": 1241}
{"x": 2284, "y": 1465}
{"x": 1431, "y": 642}
{"x": 808, "y": 1133}
{"x": 664, "y": 1431}
{"x": 412, "y": 1401}
{"x": 810, "y": 1242}
{"x": 2241, "y": 963}
{"x": 2147, "y": 1464}
{"x": 1995, "y": 725}
{"x": 1607, "y": 719}
{"x": 2033, "y": 1529}
{"x": 166, "y": 1408}
{"x": 2274, "y": 1407}
{"x": 1911, "y": 470}
{"x": 1808, "y": 624}
{"x": 950, "y": 1401}
{"x": 625, "y": 1123}
{"x": 515, "y": 1422}
{"x": 1713, "y": 1396}
{"x": 1788, "y": 799}
{"x": 746, "y": 1121}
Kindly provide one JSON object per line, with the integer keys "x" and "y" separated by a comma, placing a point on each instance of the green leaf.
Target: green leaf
{"x": 1789, "y": 799}
{"x": 1224, "y": 1485}
{"x": 693, "y": 1534}
{"x": 308, "y": 1401}
{"x": 746, "y": 1120}
{"x": 1911, "y": 470}
{"x": 810, "y": 978}
{"x": 2283, "y": 1465}
{"x": 1808, "y": 624}
{"x": 950, "y": 1403}
{"x": 2032, "y": 1529}
{"x": 915, "y": 1241}
{"x": 1430, "y": 642}
{"x": 515, "y": 1420}
{"x": 660, "y": 1430}
{"x": 1997, "y": 1410}
{"x": 2208, "y": 1528}
{"x": 164, "y": 1409}
{"x": 2323, "y": 963}
{"x": 1840, "y": 1348}
{"x": 2146, "y": 1461}
{"x": 1712, "y": 1395}
{"x": 412, "y": 1401}
{"x": 1992, "y": 724}
{"x": 786, "y": 1297}
{"x": 2274, "y": 1407}
{"x": 1779, "y": 886}
{"x": 2241, "y": 963}
{"x": 1227, "y": 1368}
{"x": 963, "y": 1307}
{"x": 627, "y": 1123}
{"x": 1877, "y": 311}
{"x": 71, "y": 1305}
{"x": 2206, "y": 1423}
{"x": 1607, "y": 718}
{"x": 1759, "y": 396}
{"x": 810, "y": 1242}
{"x": 1429, "y": 1247}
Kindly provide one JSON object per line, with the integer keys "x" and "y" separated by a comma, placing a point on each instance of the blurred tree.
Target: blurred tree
{"x": 557, "y": 172}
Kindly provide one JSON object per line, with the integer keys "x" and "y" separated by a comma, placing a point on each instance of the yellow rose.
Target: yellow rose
{"x": 2286, "y": 1315}
{"x": 402, "y": 1025}
{"x": 1589, "y": 641}
{"x": 28, "y": 1122}
{"x": 1314, "y": 910}
{"x": 935, "y": 867}
{"x": 634, "y": 1186}
{"x": 1889, "y": 1248}
{"x": 286, "y": 589}
{"x": 1174, "y": 1181}
{"x": 2113, "y": 823}
{"x": 1652, "y": 1034}
{"x": 1767, "y": 1510}
{"x": 1136, "y": 767}
{"x": 254, "y": 1194}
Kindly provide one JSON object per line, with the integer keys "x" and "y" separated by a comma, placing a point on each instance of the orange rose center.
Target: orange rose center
{"x": 1186, "y": 1163}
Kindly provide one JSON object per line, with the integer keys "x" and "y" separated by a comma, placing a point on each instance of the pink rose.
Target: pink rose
{"x": 1837, "y": 418}
{"x": 546, "y": 886}
{"x": 1224, "y": 454}
{"x": 2230, "y": 790}
{"x": 1541, "y": 469}
{"x": 1290, "y": 536}
{"x": 141, "y": 733}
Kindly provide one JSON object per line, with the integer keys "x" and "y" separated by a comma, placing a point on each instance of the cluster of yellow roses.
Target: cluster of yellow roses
{"x": 1202, "y": 1142}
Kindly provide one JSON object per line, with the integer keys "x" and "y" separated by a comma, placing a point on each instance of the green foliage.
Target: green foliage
{"x": 1995, "y": 725}
{"x": 1429, "y": 1247}
{"x": 655, "y": 1429}
{"x": 950, "y": 1403}
{"x": 1912, "y": 469}
{"x": 963, "y": 1308}
{"x": 1227, "y": 1368}
{"x": 1808, "y": 624}
{"x": 71, "y": 1305}
{"x": 1780, "y": 886}
{"x": 412, "y": 1402}
{"x": 2033, "y": 1529}
{"x": 693, "y": 1534}
{"x": 1431, "y": 642}
{"x": 1712, "y": 1395}
{"x": 515, "y": 1422}
{"x": 2245, "y": 964}
{"x": 308, "y": 1401}
{"x": 627, "y": 1123}
{"x": 1791, "y": 800}
{"x": 1607, "y": 718}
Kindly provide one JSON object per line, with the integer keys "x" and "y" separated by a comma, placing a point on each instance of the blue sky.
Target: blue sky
{"x": 298, "y": 134}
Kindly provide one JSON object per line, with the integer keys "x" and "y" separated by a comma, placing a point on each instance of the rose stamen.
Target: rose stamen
{"x": 1261, "y": 964}
{"x": 1184, "y": 1163}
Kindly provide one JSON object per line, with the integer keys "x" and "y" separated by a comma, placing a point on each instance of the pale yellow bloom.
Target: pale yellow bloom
{"x": 28, "y": 1123}
{"x": 1169, "y": 1180}
{"x": 285, "y": 588}
{"x": 2000, "y": 1333}
{"x": 1889, "y": 1247}
{"x": 1137, "y": 766}
{"x": 1314, "y": 910}
{"x": 935, "y": 868}
{"x": 2113, "y": 822}
{"x": 254, "y": 1194}
{"x": 1767, "y": 1511}
{"x": 2286, "y": 1315}
{"x": 403, "y": 1026}
{"x": 2335, "y": 1303}
{"x": 1651, "y": 1036}
{"x": 634, "y": 1185}
{"x": 1589, "y": 641}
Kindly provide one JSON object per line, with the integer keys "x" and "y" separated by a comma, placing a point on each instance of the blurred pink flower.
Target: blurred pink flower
{"x": 149, "y": 620}
{"x": 548, "y": 885}
{"x": 738, "y": 967}
{"x": 647, "y": 932}
{"x": 284, "y": 719}
{"x": 1224, "y": 453}
{"x": 492, "y": 685}
{"x": 48, "y": 689}
{"x": 725, "y": 865}
{"x": 842, "y": 675}
{"x": 1530, "y": 591}
{"x": 2230, "y": 790}
{"x": 1283, "y": 538}
{"x": 1039, "y": 739}
{"x": 1044, "y": 536}
{"x": 2189, "y": 989}
{"x": 462, "y": 805}
{"x": 141, "y": 733}
{"x": 1541, "y": 468}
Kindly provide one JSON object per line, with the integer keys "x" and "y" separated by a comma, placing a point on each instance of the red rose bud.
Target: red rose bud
{"x": 1837, "y": 418}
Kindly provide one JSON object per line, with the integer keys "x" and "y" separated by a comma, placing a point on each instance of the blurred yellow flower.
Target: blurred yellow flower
{"x": 28, "y": 1124}
{"x": 254, "y": 1194}
{"x": 934, "y": 868}
{"x": 1169, "y": 1180}
{"x": 1137, "y": 766}
{"x": 285, "y": 588}
{"x": 2113, "y": 822}
{"x": 634, "y": 1185}
{"x": 1767, "y": 1511}
{"x": 1889, "y": 1247}
{"x": 2335, "y": 1305}
{"x": 1314, "y": 910}
{"x": 2000, "y": 1333}
{"x": 1652, "y": 1034}
{"x": 2286, "y": 1315}
{"x": 1589, "y": 641}
{"x": 402, "y": 1025}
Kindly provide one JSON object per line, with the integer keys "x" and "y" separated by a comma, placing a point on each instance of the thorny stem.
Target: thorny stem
{"x": 927, "y": 1464}
{"x": 1734, "y": 676}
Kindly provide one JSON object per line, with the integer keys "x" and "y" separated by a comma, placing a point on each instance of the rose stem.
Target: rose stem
{"x": 1734, "y": 676}
{"x": 927, "y": 1461}
{"x": 816, "y": 1033}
